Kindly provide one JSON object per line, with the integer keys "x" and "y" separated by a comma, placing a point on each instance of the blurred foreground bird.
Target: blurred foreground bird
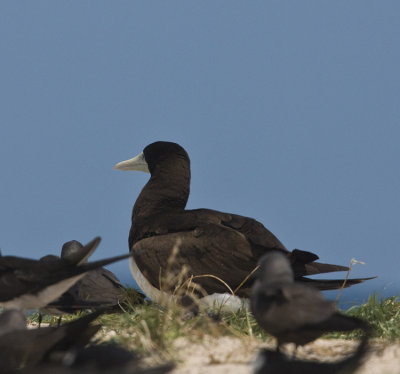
{"x": 213, "y": 245}
{"x": 273, "y": 362}
{"x": 22, "y": 348}
{"x": 98, "y": 289}
{"x": 32, "y": 284}
{"x": 291, "y": 311}
{"x": 62, "y": 350}
{"x": 91, "y": 368}
{"x": 96, "y": 359}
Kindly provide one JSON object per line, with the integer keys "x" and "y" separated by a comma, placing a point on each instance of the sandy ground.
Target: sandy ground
{"x": 226, "y": 354}
{"x": 232, "y": 355}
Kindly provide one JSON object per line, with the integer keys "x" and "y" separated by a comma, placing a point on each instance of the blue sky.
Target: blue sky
{"x": 288, "y": 110}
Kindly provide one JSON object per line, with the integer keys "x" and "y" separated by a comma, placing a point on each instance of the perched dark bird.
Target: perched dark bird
{"x": 223, "y": 245}
{"x": 273, "y": 362}
{"x": 21, "y": 348}
{"x": 98, "y": 289}
{"x": 291, "y": 311}
{"x": 31, "y": 284}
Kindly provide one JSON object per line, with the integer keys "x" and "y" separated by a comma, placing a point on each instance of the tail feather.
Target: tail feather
{"x": 319, "y": 267}
{"x": 303, "y": 263}
{"x": 331, "y": 284}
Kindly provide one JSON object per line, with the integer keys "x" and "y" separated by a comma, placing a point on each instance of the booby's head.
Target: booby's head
{"x": 275, "y": 267}
{"x": 153, "y": 155}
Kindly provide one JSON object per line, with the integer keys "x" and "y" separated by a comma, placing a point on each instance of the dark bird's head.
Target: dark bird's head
{"x": 71, "y": 250}
{"x": 275, "y": 268}
{"x": 155, "y": 155}
{"x": 75, "y": 253}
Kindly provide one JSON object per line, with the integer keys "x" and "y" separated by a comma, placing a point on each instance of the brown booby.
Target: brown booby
{"x": 211, "y": 244}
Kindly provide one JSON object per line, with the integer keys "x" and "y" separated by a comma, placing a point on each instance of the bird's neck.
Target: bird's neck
{"x": 166, "y": 191}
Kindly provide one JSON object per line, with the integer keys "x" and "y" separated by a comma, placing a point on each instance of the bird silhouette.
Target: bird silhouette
{"x": 32, "y": 284}
{"x": 212, "y": 245}
{"x": 291, "y": 311}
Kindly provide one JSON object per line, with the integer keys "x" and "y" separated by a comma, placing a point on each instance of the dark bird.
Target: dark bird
{"x": 32, "y": 284}
{"x": 62, "y": 349}
{"x": 98, "y": 289}
{"x": 291, "y": 311}
{"x": 223, "y": 245}
{"x": 22, "y": 348}
{"x": 105, "y": 358}
{"x": 273, "y": 362}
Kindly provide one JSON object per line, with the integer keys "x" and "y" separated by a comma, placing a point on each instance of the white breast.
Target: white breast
{"x": 148, "y": 289}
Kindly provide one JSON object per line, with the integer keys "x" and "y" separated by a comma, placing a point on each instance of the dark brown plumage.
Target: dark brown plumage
{"x": 210, "y": 242}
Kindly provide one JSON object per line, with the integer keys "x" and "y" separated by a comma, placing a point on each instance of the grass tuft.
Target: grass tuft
{"x": 382, "y": 314}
